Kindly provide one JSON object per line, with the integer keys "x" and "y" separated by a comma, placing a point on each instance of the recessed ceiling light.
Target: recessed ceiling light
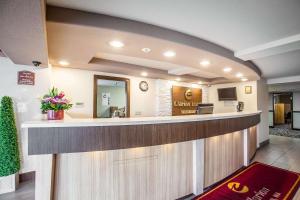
{"x": 63, "y": 62}
{"x": 244, "y": 79}
{"x": 200, "y": 82}
{"x": 169, "y": 54}
{"x": 144, "y": 74}
{"x": 205, "y": 63}
{"x": 146, "y": 50}
{"x": 239, "y": 75}
{"x": 227, "y": 69}
{"x": 116, "y": 44}
{"x": 178, "y": 79}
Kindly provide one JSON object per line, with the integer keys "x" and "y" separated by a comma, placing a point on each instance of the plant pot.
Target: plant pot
{"x": 55, "y": 115}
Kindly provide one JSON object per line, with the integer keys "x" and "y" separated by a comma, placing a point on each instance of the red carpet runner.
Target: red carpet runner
{"x": 256, "y": 182}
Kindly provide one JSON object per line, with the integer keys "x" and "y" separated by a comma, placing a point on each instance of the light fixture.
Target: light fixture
{"x": 146, "y": 50}
{"x": 169, "y": 54}
{"x": 63, "y": 63}
{"x": 144, "y": 74}
{"x": 205, "y": 63}
{"x": 116, "y": 44}
{"x": 178, "y": 79}
{"x": 200, "y": 82}
{"x": 227, "y": 69}
{"x": 239, "y": 75}
{"x": 244, "y": 79}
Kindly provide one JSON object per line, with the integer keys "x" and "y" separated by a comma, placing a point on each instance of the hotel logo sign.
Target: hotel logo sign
{"x": 185, "y": 100}
{"x": 237, "y": 187}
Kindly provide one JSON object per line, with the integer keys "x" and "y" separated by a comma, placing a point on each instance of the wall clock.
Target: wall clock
{"x": 144, "y": 86}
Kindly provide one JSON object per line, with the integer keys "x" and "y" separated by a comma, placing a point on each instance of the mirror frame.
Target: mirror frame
{"x": 127, "y": 89}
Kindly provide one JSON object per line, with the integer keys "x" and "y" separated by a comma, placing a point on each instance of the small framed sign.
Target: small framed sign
{"x": 248, "y": 89}
{"x": 26, "y": 78}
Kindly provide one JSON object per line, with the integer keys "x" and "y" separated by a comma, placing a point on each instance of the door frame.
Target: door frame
{"x": 292, "y": 104}
{"x": 113, "y": 78}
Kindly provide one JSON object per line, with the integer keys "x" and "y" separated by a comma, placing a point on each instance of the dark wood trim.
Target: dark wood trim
{"x": 53, "y": 177}
{"x": 127, "y": 88}
{"x": 56, "y": 140}
{"x": 294, "y": 111}
{"x": 26, "y": 176}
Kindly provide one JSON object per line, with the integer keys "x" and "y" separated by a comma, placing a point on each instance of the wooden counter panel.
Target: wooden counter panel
{"x": 148, "y": 173}
{"x": 99, "y": 138}
{"x": 252, "y": 141}
{"x": 223, "y": 156}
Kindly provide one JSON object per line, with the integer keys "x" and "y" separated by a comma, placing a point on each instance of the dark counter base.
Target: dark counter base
{"x": 101, "y": 138}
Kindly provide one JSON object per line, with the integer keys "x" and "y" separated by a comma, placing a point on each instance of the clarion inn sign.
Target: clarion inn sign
{"x": 185, "y": 100}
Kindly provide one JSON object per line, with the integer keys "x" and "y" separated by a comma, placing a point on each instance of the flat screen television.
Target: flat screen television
{"x": 227, "y": 94}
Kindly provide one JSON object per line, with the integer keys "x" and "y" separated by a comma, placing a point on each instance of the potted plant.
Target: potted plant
{"x": 54, "y": 104}
{"x": 9, "y": 148}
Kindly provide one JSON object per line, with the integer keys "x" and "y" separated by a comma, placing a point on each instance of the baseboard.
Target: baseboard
{"x": 189, "y": 196}
{"x": 26, "y": 176}
{"x": 264, "y": 143}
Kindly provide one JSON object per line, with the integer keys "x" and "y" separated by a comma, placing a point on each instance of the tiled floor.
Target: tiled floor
{"x": 283, "y": 152}
{"x": 24, "y": 192}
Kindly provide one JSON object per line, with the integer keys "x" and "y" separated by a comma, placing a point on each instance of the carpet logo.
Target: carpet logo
{"x": 236, "y": 187}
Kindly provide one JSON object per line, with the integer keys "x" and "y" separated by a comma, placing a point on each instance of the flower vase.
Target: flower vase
{"x": 55, "y": 115}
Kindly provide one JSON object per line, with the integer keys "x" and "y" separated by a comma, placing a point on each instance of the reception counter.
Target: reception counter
{"x": 138, "y": 158}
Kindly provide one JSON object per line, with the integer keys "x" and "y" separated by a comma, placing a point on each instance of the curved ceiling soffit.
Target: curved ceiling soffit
{"x": 71, "y": 16}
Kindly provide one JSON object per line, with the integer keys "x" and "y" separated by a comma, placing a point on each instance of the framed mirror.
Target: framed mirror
{"x": 111, "y": 97}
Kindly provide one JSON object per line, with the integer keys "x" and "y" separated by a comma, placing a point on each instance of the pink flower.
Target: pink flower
{"x": 47, "y": 99}
{"x": 60, "y": 95}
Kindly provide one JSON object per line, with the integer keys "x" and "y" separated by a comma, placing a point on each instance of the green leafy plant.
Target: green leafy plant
{"x": 9, "y": 149}
{"x": 55, "y": 100}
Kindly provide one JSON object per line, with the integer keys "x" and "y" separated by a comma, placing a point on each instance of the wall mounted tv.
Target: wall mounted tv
{"x": 227, "y": 94}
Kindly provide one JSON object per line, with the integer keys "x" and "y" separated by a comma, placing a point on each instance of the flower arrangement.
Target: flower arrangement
{"x": 55, "y": 102}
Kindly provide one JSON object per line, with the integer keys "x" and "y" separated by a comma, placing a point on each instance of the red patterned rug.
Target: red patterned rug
{"x": 256, "y": 182}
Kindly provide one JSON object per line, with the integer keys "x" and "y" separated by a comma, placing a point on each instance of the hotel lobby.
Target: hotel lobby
{"x": 154, "y": 100}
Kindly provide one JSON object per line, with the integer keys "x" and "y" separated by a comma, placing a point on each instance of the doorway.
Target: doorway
{"x": 283, "y": 109}
{"x": 111, "y": 97}
{"x": 283, "y": 115}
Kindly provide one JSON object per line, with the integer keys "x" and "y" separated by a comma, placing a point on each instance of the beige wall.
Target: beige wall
{"x": 78, "y": 85}
{"x": 26, "y": 100}
{"x": 258, "y": 100}
{"x": 250, "y": 100}
{"x": 263, "y": 105}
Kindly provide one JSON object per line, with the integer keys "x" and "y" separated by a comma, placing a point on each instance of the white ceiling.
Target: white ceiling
{"x": 93, "y": 42}
{"x": 234, "y": 24}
